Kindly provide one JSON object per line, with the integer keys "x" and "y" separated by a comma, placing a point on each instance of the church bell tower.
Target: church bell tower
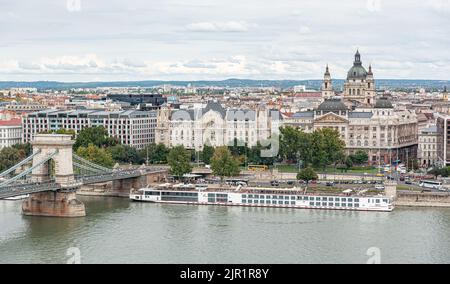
{"x": 327, "y": 86}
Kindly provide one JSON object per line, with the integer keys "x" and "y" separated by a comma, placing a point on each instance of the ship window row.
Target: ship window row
{"x": 217, "y": 200}
{"x": 268, "y": 202}
{"x": 179, "y": 198}
{"x": 378, "y": 201}
{"x": 279, "y": 197}
{"x": 180, "y": 194}
{"x": 333, "y": 199}
{"x": 149, "y": 193}
{"x": 329, "y": 204}
{"x": 218, "y": 195}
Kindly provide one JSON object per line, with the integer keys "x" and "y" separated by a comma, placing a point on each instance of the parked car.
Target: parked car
{"x": 275, "y": 183}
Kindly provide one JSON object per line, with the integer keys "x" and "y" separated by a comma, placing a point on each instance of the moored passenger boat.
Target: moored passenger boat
{"x": 20, "y": 197}
{"x": 258, "y": 197}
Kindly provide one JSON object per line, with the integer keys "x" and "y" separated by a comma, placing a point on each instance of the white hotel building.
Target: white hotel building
{"x": 131, "y": 127}
{"x": 10, "y": 132}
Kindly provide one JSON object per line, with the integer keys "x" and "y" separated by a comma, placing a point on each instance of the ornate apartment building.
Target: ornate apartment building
{"x": 385, "y": 133}
{"x": 443, "y": 140}
{"x": 214, "y": 125}
{"x": 427, "y": 154}
{"x": 365, "y": 123}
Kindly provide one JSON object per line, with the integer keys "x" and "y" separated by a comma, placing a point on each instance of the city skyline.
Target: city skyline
{"x": 212, "y": 40}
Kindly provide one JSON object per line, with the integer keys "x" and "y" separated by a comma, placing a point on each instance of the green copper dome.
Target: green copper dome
{"x": 357, "y": 71}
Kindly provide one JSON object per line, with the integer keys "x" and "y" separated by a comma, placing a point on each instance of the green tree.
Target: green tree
{"x": 347, "y": 162}
{"x": 289, "y": 143}
{"x": 224, "y": 164}
{"x": 444, "y": 172}
{"x": 360, "y": 157}
{"x": 327, "y": 147}
{"x": 10, "y": 156}
{"x": 307, "y": 175}
{"x": 96, "y": 155}
{"x": 61, "y": 131}
{"x": 179, "y": 160}
{"x": 207, "y": 154}
{"x": 25, "y": 150}
{"x": 254, "y": 156}
{"x": 238, "y": 148}
{"x": 98, "y": 136}
{"x": 156, "y": 153}
{"x": 125, "y": 154}
{"x": 66, "y": 132}
{"x": 296, "y": 145}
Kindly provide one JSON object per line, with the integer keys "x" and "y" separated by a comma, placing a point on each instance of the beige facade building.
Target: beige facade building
{"x": 427, "y": 152}
{"x": 385, "y": 133}
{"x": 214, "y": 125}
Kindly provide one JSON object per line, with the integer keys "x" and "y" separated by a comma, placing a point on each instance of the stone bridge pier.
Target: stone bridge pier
{"x": 54, "y": 204}
{"x": 124, "y": 186}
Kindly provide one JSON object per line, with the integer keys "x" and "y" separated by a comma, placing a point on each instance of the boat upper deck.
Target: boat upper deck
{"x": 249, "y": 190}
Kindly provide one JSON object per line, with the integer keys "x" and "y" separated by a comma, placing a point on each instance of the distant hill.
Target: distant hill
{"x": 230, "y": 83}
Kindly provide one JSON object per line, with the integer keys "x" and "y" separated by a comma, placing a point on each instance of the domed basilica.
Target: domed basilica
{"x": 364, "y": 122}
{"x": 359, "y": 87}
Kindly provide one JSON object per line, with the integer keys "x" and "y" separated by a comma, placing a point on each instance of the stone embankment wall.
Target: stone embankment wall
{"x": 426, "y": 199}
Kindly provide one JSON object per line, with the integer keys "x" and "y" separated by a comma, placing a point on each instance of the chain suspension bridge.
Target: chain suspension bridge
{"x": 52, "y": 174}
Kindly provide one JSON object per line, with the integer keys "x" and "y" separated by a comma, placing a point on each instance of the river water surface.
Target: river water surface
{"x": 119, "y": 231}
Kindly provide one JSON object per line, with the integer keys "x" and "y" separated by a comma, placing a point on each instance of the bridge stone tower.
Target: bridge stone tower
{"x": 61, "y": 203}
{"x": 61, "y": 147}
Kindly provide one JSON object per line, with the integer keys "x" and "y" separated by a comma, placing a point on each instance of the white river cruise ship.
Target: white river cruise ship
{"x": 259, "y": 197}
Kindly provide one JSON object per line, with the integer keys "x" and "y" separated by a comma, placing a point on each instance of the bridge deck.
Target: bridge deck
{"x": 18, "y": 189}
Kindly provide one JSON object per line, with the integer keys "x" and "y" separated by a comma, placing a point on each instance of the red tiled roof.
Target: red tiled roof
{"x": 308, "y": 95}
{"x": 12, "y": 122}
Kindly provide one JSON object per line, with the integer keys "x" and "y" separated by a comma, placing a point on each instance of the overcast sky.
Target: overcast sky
{"x": 92, "y": 40}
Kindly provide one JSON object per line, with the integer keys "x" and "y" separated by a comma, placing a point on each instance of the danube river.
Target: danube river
{"x": 118, "y": 231}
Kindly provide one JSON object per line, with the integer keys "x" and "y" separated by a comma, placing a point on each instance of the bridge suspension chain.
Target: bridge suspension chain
{"x": 23, "y": 162}
{"x": 92, "y": 165}
{"x": 87, "y": 168}
{"x": 30, "y": 170}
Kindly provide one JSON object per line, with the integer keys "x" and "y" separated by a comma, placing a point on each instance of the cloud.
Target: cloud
{"x": 29, "y": 66}
{"x": 199, "y": 64}
{"x": 216, "y": 39}
{"x": 133, "y": 63}
{"x": 218, "y": 27}
{"x": 304, "y": 30}
{"x": 71, "y": 63}
{"x": 440, "y": 6}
